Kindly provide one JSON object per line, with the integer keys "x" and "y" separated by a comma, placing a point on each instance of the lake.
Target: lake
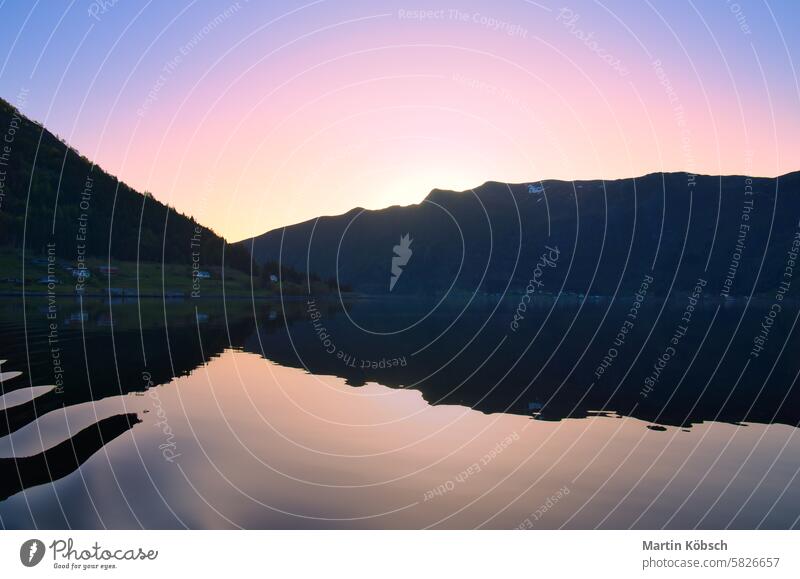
{"x": 575, "y": 412}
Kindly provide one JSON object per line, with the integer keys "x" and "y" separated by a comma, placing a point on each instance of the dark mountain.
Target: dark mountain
{"x": 732, "y": 231}
{"x": 49, "y": 193}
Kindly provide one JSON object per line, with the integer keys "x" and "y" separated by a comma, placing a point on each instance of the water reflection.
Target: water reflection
{"x": 560, "y": 365}
{"x": 23, "y": 472}
{"x": 290, "y": 415}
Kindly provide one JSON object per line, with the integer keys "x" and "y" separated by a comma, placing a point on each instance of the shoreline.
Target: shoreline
{"x": 566, "y": 298}
{"x": 134, "y": 296}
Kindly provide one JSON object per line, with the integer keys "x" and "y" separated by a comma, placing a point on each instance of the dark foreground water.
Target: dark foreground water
{"x": 584, "y": 413}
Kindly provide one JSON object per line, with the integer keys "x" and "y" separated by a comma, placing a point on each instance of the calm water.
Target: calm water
{"x": 399, "y": 414}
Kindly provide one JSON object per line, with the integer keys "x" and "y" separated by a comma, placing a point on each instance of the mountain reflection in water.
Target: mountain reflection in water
{"x": 397, "y": 414}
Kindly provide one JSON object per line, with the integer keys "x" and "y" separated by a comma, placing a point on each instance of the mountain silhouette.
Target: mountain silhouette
{"x": 733, "y": 231}
{"x": 53, "y": 194}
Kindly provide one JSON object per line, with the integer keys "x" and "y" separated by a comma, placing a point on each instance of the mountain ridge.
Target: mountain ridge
{"x": 791, "y": 174}
{"x": 645, "y": 216}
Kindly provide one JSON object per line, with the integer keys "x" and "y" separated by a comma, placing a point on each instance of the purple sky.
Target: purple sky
{"x": 252, "y": 115}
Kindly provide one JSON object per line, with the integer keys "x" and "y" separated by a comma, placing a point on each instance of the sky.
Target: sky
{"x": 254, "y": 115}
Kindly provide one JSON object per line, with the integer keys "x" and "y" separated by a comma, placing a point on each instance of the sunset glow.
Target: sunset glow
{"x": 251, "y": 116}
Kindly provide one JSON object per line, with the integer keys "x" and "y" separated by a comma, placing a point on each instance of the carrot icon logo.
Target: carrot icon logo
{"x": 31, "y": 552}
{"x": 402, "y": 253}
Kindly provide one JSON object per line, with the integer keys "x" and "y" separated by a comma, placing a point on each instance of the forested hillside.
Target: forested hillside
{"x": 50, "y": 194}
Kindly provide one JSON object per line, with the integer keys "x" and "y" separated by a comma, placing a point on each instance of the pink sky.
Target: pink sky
{"x": 273, "y": 118}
